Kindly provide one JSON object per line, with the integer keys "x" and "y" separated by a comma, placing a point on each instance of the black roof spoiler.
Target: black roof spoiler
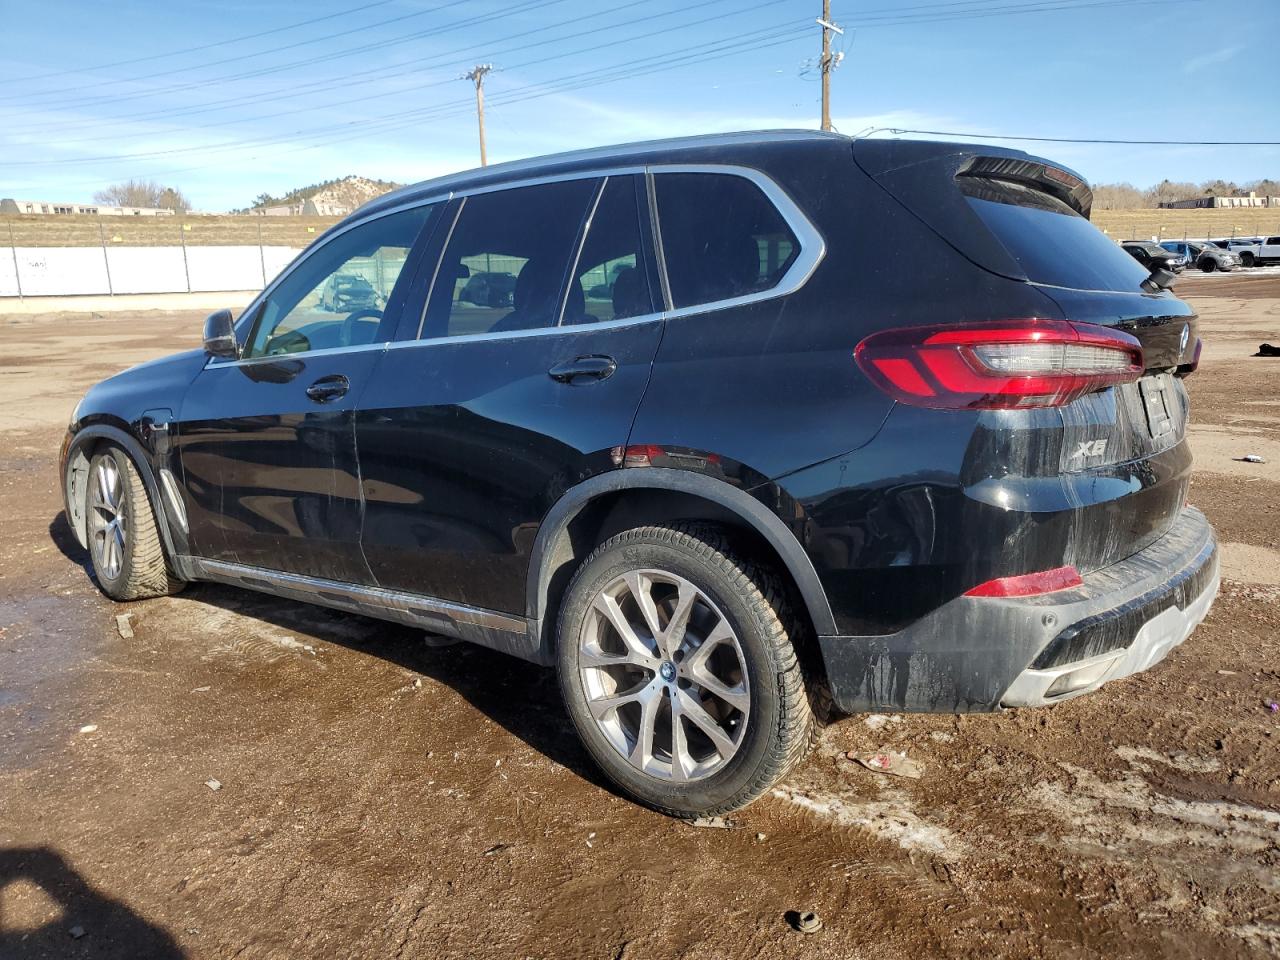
{"x": 1058, "y": 181}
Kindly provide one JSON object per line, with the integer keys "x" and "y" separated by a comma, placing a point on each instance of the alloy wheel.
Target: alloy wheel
{"x": 107, "y": 531}
{"x": 664, "y": 676}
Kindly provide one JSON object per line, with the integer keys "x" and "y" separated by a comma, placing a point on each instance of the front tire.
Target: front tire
{"x": 677, "y": 667}
{"x": 124, "y": 543}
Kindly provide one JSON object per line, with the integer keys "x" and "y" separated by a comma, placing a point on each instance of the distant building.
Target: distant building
{"x": 92, "y": 209}
{"x": 279, "y": 210}
{"x": 1252, "y": 200}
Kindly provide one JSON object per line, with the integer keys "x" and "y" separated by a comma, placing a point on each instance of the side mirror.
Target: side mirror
{"x": 464, "y": 272}
{"x": 220, "y": 335}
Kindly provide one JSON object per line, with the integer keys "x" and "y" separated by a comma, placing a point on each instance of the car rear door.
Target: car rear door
{"x": 480, "y": 417}
{"x": 266, "y": 442}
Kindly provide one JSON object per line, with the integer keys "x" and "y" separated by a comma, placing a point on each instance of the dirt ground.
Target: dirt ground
{"x": 381, "y": 798}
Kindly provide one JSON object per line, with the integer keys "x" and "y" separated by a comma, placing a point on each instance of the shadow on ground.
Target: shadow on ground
{"x": 521, "y": 697}
{"x": 90, "y": 923}
{"x": 65, "y": 540}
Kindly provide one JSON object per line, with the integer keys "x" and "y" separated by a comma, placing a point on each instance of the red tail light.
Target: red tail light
{"x": 1029, "y": 584}
{"x": 998, "y": 364}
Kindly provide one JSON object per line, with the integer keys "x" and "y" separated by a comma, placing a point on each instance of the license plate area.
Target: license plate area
{"x": 1155, "y": 401}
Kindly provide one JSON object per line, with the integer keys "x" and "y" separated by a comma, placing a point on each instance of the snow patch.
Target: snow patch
{"x": 889, "y": 819}
{"x": 1179, "y": 761}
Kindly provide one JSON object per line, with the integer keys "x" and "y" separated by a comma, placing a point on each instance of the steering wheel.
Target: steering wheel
{"x": 349, "y": 324}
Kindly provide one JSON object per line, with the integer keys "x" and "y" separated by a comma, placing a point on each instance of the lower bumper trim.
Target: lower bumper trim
{"x": 1151, "y": 644}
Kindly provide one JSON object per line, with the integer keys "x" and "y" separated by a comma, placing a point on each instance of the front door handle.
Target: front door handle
{"x": 583, "y": 369}
{"x": 329, "y": 388}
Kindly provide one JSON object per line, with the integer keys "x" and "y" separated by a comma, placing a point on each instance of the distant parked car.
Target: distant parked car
{"x": 1257, "y": 251}
{"x": 1152, "y": 255}
{"x": 489, "y": 290}
{"x": 604, "y": 291}
{"x": 1246, "y": 248}
{"x": 348, "y": 292}
{"x": 1203, "y": 255}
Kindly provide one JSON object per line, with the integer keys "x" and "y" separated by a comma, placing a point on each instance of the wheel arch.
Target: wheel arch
{"x": 608, "y": 503}
{"x": 80, "y": 450}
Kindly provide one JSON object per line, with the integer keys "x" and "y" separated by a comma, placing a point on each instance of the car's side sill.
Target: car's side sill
{"x": 499, "y": 631}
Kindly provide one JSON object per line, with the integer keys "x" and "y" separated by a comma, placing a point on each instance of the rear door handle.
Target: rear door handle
{"x": 583, "y": 369}
{"x": 329, "y": 388}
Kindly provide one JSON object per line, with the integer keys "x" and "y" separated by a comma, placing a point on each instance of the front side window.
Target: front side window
{"x": 336, "y": 297}
{"x": 507, "y": 259}
{"x": 721, "y": 237}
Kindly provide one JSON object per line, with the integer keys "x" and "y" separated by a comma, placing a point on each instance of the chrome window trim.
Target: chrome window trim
{"x": 813, "y": 247}
{"x": 584, "y": 231}
{"x": 573, "y": 328}
{"x": 435, "y": 268}
{"x": 638, "y": 153}
{"x": 813, "y": 250}
{"x": 219, "y": 363}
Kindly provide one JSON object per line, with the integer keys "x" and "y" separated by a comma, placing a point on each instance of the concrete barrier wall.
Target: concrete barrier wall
{"x": 69, "y": 271}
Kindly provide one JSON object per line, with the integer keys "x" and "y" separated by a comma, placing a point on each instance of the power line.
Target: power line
{"x": 903, "y": 17}
{"x": 245, "y": 56}
{"x": 890, "y": 17}
{"x": 521, "y": 7}
{"x": 371, "y": 122}
{"x": 598, "y": 77}
{"x": 210, "y": 46}
{"x": 1135, "y": 143}
{"x": 521, "y": 44}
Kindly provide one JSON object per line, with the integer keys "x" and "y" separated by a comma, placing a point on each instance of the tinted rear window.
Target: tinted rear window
{"x": 1051, "y": 242}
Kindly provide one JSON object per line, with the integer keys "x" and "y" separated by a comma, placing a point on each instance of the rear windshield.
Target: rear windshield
{"x": 1052, "y": 243}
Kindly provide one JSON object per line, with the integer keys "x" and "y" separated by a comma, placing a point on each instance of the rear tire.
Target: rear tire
{"x": 1208, "y": 266}
{"x": 1246, "y": 259}
{"x": 693, "y": 701}
{"x": 125, "y": 547}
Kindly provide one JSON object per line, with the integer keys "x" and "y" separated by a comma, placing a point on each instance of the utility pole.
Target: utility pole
{"x": 477, "y": 76}
{"x": 827, "y": 63}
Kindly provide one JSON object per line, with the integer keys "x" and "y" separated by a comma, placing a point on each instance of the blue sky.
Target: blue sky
{"x": 355, "y": 94}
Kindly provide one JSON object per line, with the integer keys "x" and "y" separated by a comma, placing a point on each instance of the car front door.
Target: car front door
{"x": 266, "y": 442}
{"x": 479, "y": 420}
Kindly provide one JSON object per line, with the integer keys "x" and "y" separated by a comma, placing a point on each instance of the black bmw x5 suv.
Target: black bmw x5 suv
{"x": 770, "y": 421}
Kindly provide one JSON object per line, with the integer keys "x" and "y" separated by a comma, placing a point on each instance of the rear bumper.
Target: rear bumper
{"x": 976, "y": 654}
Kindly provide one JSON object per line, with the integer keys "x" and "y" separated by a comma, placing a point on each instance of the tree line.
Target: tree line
{"x": 1125, "y": 196}
{"x": 143, "y": 193}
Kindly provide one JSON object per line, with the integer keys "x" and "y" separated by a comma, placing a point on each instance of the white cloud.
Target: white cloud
{"x": 1211, "y": 58}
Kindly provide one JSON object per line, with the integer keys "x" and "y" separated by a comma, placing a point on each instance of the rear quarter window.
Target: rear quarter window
{"x": 721, "y": 236}
{"x": 1052, "y": 243}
